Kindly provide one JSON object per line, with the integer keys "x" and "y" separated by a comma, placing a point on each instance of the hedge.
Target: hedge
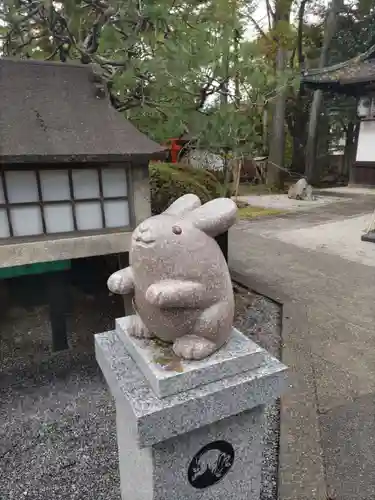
{"x": 169, "y": 181}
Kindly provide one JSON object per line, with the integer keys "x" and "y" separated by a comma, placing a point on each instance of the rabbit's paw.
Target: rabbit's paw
{"x": 193, "y": 347}
{"x": 138, "y": 329}
{"x": 121, "y": 282}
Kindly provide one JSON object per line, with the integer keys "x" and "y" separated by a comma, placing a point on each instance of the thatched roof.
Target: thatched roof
{"x": 52, "y": 112}
{"x": 352, "y": 77}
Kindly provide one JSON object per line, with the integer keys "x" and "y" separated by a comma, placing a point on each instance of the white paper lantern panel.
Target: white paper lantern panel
{"x": 26, "y": 221}
{"x": 21, "y": 186}
{"x": 55, "y": 185}
{"x": 114, "y": 182}
{"x": 85, "y": 184}
{"x": 58, "y": 218}
{"x": 116, "y": 213}
{"x": 4, "y": 226}
{"x": 89, "y": 215}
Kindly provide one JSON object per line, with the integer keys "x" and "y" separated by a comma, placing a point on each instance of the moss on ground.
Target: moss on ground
{"x": 259, "y": 189}
{"x": 251, "y": 212}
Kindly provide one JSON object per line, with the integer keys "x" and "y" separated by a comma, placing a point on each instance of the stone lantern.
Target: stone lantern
{"x": 74, "y": 171}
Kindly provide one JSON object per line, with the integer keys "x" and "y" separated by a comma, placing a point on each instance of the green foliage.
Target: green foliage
{"x": 172, "y": 65}
{"x": 170, "y": 181}
{"x": 355, "y": 32}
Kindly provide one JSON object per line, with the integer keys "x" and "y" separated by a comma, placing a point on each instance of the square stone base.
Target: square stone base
{"x": 168, "y": 374}
{"x": 221, "y": 461}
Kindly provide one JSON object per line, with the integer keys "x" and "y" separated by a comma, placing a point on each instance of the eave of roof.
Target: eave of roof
{"x": 350, "y": 77}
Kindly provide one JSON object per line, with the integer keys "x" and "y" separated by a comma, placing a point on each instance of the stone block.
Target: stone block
{"x": 168, "y": 375}
{"x": 204, "y": 442}
{"x": 176, "y": 469}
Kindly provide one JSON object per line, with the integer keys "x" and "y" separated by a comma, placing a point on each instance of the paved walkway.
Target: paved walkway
{"x": 331, "y": 350}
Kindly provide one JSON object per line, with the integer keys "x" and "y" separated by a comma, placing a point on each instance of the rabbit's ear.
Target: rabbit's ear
{"x": 214, "y": 217}
{"x": 183, "y": 205}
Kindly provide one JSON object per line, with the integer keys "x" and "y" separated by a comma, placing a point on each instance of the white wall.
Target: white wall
{"x": 366, "y": 141}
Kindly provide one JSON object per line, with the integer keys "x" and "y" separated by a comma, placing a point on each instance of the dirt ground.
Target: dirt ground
{"x": 57, "y": 418}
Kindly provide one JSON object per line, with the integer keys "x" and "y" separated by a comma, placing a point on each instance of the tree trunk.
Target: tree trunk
{"x": 224, "y": 102}
{"x": 312, "y": 136}
{"x": 236, "y": 56}
{"x": 265, "y": 131}
{"x": 224, "y": 94}
{"x": 275, "y": 164}
{"x": 277, "y": 138}
{"x": 298, "y": 116}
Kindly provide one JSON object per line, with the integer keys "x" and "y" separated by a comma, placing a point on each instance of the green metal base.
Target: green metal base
{"x": 39, "y": 268}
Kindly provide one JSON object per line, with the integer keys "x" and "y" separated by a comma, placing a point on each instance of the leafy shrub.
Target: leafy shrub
{"x": 169, "y": 181}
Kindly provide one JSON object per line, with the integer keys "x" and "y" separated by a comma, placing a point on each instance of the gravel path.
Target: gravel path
{"x": 58, "y": 437}
{"x": 57, "y": 419}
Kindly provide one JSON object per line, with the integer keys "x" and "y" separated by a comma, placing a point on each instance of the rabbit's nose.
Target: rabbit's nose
{"x": 143, "y": 228}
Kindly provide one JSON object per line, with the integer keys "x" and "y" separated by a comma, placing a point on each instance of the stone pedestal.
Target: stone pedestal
{"x": 189, "y": 430}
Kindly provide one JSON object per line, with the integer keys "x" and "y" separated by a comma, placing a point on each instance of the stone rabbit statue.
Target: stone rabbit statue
{"x": 180, "y": 280}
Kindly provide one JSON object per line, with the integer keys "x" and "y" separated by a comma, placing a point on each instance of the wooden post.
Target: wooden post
{"x": 57, "y": 288}
{"x": 238, "y": 177}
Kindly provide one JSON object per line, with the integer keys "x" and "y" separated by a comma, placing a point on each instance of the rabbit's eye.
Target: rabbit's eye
{"x": 176, "y": 230}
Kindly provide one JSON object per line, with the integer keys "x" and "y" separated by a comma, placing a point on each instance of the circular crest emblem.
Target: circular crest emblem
{"x": 211, "y": 464}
